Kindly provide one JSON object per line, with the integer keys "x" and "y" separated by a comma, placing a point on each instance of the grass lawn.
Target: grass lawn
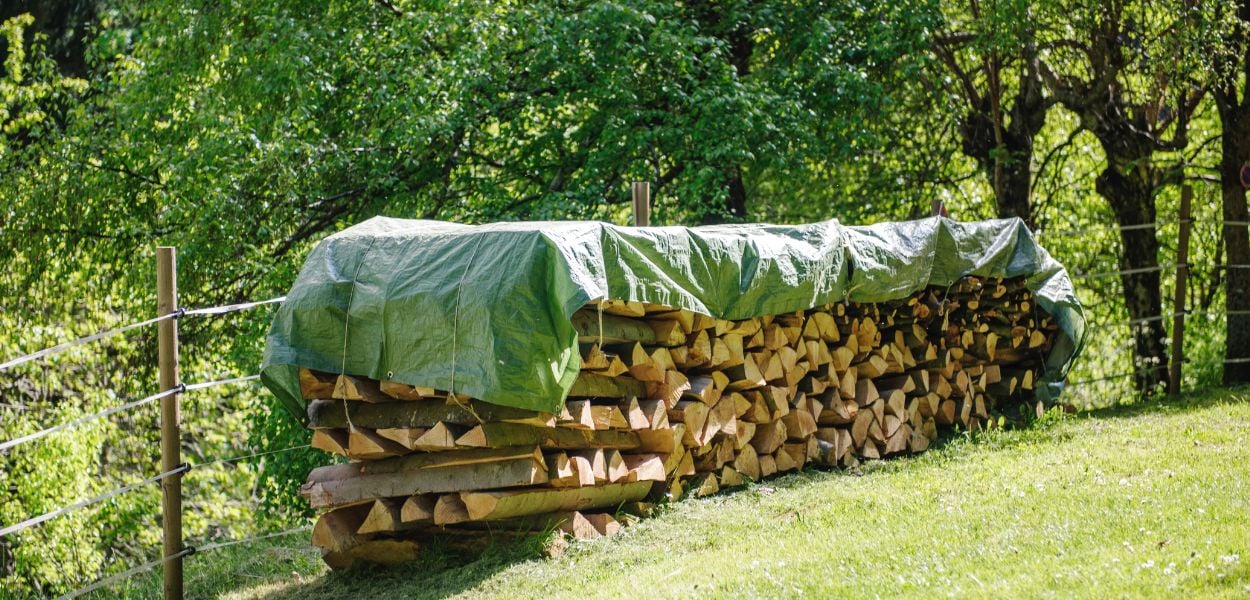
{"x": 1145, "y": 500}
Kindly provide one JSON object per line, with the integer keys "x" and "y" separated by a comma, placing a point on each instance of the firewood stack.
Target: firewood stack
{"x": 669, "y": 403}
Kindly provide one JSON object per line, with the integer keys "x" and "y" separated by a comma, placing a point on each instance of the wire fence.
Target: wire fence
{"x": 234, "y": 459}
{"x": 115, "y": 492}
{"x": 1158, "y": 224}
{"x": 211, "y": 311}
{"x": 1160, "y": 268}
{"x": 188, "y": 551}
{"x": 33, "y": 521}
{"x": 183, "y": 468}
{"x": 179, "y": 470}
{"x": 59, "y": 348}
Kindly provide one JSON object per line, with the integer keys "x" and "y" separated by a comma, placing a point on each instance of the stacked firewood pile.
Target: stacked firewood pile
{"x": 669, "y": 403}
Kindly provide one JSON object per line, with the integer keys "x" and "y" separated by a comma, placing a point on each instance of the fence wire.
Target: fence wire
{"x": 59, "y": 348}
{"x": 116, "y": 409}
{"x": 148, "y": 566}
{"x": 1099, "y": 228}
{"x": 187, "y": 551}
{"x": 79, "y": 421}
{"x": 1154, "y": 269}
{"x": 229, "y": 308}
{"x": 1138, "y": 226}
{"x": 219, "y": 545}
{"x": 1114, "y": 377}
{"x": 31, "y": 522}
{"x": 249, "y": 456}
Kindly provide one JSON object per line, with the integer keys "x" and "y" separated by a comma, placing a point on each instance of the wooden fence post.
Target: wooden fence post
{"x": 171, "y": 437}
{"x": 1178, "y": 301}
{"x": 642, "y": 203}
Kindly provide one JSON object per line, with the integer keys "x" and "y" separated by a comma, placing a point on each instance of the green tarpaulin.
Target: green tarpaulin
{"x": 485, "y": 310}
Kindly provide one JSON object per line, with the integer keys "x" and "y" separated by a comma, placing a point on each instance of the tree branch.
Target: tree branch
{"x": 391, "y": 7}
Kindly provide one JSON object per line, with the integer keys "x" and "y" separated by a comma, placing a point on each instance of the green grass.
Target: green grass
{"x": 1145, "y": 500}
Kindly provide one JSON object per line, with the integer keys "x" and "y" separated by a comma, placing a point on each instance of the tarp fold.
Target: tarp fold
{"x": 485, "y": 310}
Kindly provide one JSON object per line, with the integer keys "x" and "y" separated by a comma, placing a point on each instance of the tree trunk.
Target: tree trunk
{"x": 1015, "y": 197}
{"x": 737, "y": 201}
{"x": 1235, "y": 152}
{"x": 1130, "y": 192}
{"x": 1235, "y": 121}
{"x": 1009, "y": 168}
{"x": 741, "y": 47}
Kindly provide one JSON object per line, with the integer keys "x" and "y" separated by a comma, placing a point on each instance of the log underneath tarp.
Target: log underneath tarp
{"x": 334, "y": 414}
{"x": 339, "y": 485}
{"x": 503, "y": 504}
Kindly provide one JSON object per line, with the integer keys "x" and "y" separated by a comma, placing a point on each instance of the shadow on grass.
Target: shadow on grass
{"x": 441, "y": 571}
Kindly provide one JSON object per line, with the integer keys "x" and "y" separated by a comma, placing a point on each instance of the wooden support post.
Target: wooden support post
{"x": 1178, "y": 303}
{"x": 935, "y": 207}
{"x": 642, "y": 203}
{"x": 171, "y": 438}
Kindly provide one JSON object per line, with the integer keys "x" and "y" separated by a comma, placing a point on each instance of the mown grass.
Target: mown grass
{"x": 1146, "y": 500}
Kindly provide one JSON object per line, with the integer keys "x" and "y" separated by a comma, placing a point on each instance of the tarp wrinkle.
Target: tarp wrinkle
{"x": 503, "y": 294}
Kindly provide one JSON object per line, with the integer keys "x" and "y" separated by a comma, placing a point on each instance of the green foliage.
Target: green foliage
{"x": 273, "y": 429}
{"x": 30, "y": 87}
{"x": 244, "y": 132}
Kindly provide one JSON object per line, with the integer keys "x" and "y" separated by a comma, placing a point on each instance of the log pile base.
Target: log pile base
{"x": 669, "y": 403}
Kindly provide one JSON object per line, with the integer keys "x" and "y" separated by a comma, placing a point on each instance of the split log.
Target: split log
{"x": 498, "y": 435}
{"x": 493, "y": 505}
{"x": 334, "y": 414}
{"x": 338, "y": 485}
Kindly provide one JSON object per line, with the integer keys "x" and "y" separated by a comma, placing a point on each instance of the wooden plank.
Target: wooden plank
{"x": 562, "y": 472}
{"x": 498, "y": 435}
{"x": 363, "y": 389}
{"x": 663, "y": 441}
{"x": 338, "y": 485}
{"x": 593, "y": 385}
{"x": 418, "y": 508}
{"x": 438, "y": 438}
{"x": 671, "y": 389}
{"x": 578, "y": 527}
{"x": 384, "y": 517}
{"x": 624, "y": 308}
{"x": 404, "y": 436}
{"x": 420, "y": 461}
{"x": 450, "y": 509}
{"x": 404, "y": 391}
{"x": 333, "y": 414}
{"x": 330, "y": 440}
{"x": 493, "y": 505}
{"x": 638, "y": 361}
{"x": 635, "y": 417}
{"x": 364, "y": 444}
{"x": 336, "y": 530}
{"x": 591, "y": 461}
{"x": 576, "y": 415}
{"x": 604, "y": 523}
{"x": 386, "y": 552}
{"x": 644, "y": 467}
{"x": 615, "y": 329}
{"x": 315, "y": 385}
{"x": 605, "y": 416}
